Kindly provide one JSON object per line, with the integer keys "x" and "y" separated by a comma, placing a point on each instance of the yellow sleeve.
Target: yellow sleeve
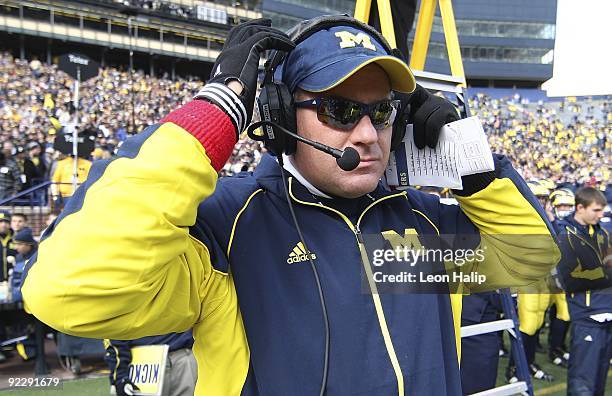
{"x": 119, "y": 262}
{"x": 56, "y": 177}
{"x": 516, "y": 239}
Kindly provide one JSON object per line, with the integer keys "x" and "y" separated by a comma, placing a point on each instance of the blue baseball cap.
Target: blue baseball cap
{"x": 330, "y": 56}
{"x": 25, "y": 236}
{"x": 5, "y": 215}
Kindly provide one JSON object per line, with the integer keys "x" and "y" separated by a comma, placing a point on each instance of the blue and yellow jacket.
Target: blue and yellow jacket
{"x": 582, "y": 273}
{"x": 7, "y": 249}
{"x": 17, "y": 278}
{"x": 153, "y": 244}
{"x": 119, "y": 353}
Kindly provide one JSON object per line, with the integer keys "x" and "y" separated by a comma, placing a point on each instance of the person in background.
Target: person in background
{"x": 586, "y": 276}
{"x": 181, "y": 370}
{"x": 25, "y": 246}
{"x": 531, "y": 308}
{"x": 10, "y": 177}
{"x": 7, "y": 251}
{"x": 480, "y": 354}
{"x": 8, "y": 148}
{"x": 37, "y": 161}
{"x": 561, "y": 204}
{"x": 19, "y": 221}
{"x": 62, "y": 189}
{"x": 26, "y": 168}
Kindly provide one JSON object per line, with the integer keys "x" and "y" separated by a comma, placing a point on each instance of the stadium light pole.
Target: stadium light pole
{"x": 132, "y": 73}
{"x": 131, "y": 12}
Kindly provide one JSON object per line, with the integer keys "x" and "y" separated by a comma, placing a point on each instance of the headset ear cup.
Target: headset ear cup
{"x": 268, "y": 106}
{"x": 287, "y": 112}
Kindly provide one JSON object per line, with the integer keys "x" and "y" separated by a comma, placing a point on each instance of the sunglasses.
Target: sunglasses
{"x": 344, "y": 114}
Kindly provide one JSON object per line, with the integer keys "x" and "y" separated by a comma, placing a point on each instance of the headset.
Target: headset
{"x": 275, "y": 102}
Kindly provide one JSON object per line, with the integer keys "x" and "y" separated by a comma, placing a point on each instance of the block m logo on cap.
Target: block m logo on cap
{"x": 350, "y": 40}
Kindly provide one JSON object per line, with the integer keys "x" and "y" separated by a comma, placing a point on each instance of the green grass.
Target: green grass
{"x": 556, "y": 388}
{"x": 100, "y": 386}
{"x": 80, "y": 387}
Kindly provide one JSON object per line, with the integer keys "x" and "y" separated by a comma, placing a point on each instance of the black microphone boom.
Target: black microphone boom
{"x": 347, "y": 159}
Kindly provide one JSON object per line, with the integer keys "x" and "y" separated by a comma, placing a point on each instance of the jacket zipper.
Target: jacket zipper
{"x": 368, "y": 269}
{"x": 588, "y": 243}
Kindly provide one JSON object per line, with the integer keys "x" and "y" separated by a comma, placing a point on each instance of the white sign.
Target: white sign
{"x": 147, "y": 369}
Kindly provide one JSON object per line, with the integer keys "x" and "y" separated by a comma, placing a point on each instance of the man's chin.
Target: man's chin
{"x": 355, "y": 186}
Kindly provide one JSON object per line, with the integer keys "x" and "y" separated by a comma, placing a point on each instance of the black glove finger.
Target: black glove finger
{"x": 259, "y": 44}
{"x": 246, "y": 25}
{"x": 248, "y": 33}
{"x": 264, "y": 41}
{"x": 442, "y": 116}
{"x": 433, "y": 125}
{"x": 419, "y": 120}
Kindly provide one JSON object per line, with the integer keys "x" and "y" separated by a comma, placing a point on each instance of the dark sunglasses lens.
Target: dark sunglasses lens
{"x": 381, "y": 113}
{"x": 339, "y": 113}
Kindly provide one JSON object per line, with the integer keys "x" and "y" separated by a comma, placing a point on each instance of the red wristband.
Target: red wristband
{"x": 210, "y": 125}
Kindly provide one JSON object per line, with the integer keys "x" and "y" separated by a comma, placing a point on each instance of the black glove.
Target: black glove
{"x": 125, "y": 387}
{"x": 239, "y": 61}
{"x": 428, "y": 113}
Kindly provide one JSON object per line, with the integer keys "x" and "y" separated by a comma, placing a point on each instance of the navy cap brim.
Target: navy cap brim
{"x": 330, "y": 76}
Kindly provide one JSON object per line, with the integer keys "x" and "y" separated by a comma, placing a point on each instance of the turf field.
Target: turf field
{"x": 100, "y": 387}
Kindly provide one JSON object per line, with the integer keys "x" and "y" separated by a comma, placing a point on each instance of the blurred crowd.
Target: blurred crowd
{"x": 565, "y": 142}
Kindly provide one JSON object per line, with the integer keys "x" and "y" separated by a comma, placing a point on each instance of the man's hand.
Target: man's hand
{"x": 428, "y": 113}
{"x": 549, "y": 211}
{"x": 233, "y": 81}
{"x": 125, "y": 387}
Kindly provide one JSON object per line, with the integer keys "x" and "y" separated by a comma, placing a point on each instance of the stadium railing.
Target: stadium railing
{"x": 35, "y": 202}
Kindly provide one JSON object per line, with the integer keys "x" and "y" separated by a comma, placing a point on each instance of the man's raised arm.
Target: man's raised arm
{"x": 119, "y": 261}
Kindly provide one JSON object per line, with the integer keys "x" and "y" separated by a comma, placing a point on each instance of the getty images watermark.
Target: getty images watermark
{"x": 406, "y": 262}
{"x": 412, "y": 256}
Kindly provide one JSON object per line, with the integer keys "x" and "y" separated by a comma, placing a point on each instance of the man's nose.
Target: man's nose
{"x": 364, "y": 132}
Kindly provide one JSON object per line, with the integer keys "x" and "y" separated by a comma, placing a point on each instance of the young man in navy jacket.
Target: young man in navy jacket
{"x": 219, "y": 256}
{"x": 586, "y": 274}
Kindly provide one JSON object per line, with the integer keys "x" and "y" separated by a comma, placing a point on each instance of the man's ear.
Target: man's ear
{"x": 579, "y": 207}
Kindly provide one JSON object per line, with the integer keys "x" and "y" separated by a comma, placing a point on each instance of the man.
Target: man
{"x": 181, "y": 370}
{"x": 25, "y": 246}
{"x": 26, "y": 168}
{"x": 260, "y": 328}
{"x": 561, "y": 204}
{"x": 588, "y": 282}
{"x": 37, "y": 168}
{"x": 19, "y": 221}
{"x": 532, "y": 304}
{"x": 480, "y": 353}
{"x": 62, "y": 178}
{"x": 10, "y": 176}
{"x": 7, "y": 248}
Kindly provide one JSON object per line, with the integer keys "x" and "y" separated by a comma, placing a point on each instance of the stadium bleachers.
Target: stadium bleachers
{"x": 571, "y": 136}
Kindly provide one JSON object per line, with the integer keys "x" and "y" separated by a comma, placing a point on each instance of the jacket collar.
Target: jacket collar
{"x": 268, "y": 175}
{"x": 583, "y": 229}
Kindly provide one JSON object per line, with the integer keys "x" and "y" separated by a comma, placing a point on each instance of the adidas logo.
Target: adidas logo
{"x": 298, "y": 254}
{"x": 588, "y": 338}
